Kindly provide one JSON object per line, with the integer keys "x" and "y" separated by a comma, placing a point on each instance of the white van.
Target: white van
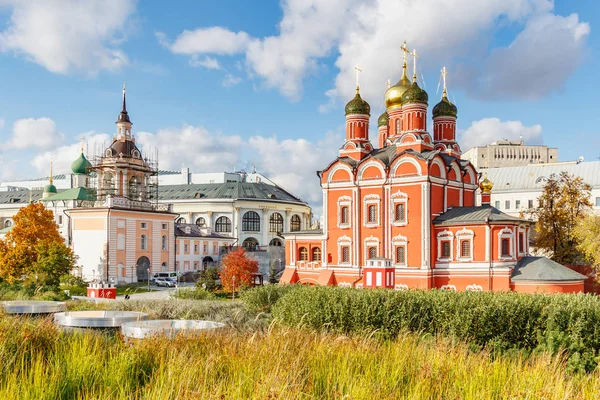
{"x": 172, "y": 275}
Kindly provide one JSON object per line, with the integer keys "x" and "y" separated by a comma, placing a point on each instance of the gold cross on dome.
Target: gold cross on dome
{"x": 444, "y": 73}
{"x": 388, "y": 84}
{"x": 405, "y": 50}
{"x": 358, "y": 71}
{"x": 415, "y": 56}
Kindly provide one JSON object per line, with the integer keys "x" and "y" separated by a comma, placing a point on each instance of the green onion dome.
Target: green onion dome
{"x": 50, "y": 188}
{"x": 383, "y": 119}
{"x": 358, "y": 106}
{"x": 81, "y": 165}
{"x": 444, "y": 108}
{"x": 414, "y": 94}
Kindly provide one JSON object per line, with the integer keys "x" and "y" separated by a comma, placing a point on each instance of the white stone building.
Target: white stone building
{"x": 506, "y": 153}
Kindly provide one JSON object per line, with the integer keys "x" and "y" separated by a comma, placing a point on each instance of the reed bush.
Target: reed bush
{"x": 262, "y": 298}
{"x": 41, "y": 362}
{"x": 498, "y": 321}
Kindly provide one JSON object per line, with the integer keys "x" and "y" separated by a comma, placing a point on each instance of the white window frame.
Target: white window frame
{"x": 522, "y": 229}
{"x": 464, "y": 234}
{"x": 143, "y": 225}
{"x": 164, "y": 240}
{"x": 399, "y": 198}
{"x": 143, "y": 242}
{"x": 344, "y": 201}
{"x": 398, "y": 241}
{"x": 445, "y": 236}
{"x": 371, "y": 241}
{"x": 369, "y": 200}
{"x": 343, "y": 242}
{"x": 506, "y": 233}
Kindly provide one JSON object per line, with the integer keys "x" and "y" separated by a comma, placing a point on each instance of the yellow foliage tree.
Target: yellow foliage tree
{"x": 34, "y": 246}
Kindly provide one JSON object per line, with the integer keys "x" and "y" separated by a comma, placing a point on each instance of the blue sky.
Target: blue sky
{"x": 215, "y": 85}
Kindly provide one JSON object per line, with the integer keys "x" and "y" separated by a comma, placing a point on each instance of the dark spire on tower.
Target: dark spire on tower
{"x": 123, "y": 116}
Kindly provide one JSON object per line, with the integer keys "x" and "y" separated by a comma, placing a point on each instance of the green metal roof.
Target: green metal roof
{"x": 227, "y": 190}
{"x": 73, "y": 194}
{"x": 530, "y": 269}
{"x": 6, "y": 230}
{"x": 476, "y": 214}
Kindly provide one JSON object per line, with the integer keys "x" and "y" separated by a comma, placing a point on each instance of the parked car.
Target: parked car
{"x": 170, "y": 275}
{"x": 166, "y": 282}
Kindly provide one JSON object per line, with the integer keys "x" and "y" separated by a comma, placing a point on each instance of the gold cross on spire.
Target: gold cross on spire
{"x": 358, "y": 71}
{"x": 405, "y": 51}
{"x": 82, "y": 140}
{"x": 388, "y": 84}
{"x": 444, "y": 73}
{"x": 415, "y": 56}
{"x": 51, "y": 179}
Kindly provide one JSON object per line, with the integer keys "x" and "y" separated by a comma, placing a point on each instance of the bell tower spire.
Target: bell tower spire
{"x": 123, "y": 122}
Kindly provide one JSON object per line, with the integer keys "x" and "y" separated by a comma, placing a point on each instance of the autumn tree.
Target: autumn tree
{"x": 587, "y": 234}
{"x": 34, "y": 247}
{"x": 563, "y": 204}
{"x": 237, "y": 264}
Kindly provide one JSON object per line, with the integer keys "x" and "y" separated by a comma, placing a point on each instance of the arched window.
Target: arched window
{"x": 144, "y": 242}
{"x": 372, "y": 216}
{"x": 223, "y": 224}
{"x": 465, "y": 248}
{"x": 295, "y": 225}
{"x": 275, "y": 242}
{"x": 303, "y": 251}
{"x": 163, "y": 267}
{"x": 316, "y": 254}
{"x": 345, "y": 215}
{"x": 250, "y": 243}
{"x": 521, "y": 245}
{"x": 372, "y": 252}
{"x": 276, "y": 223}
{"x": 251, "y": 222}
{"x": 165, "y": 243}
{"x": 200, "y": 221}
{"x": 135, "y": 186}
{"x": 8, "y": 223}
{"x": 181, "y": 220}
{"x": 505, "y": 247}
{"x": 400, "y": 212}
{"x": 401, "y": 255}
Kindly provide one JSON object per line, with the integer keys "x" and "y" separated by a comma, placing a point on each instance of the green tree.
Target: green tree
{"x": 34, "y": 246}
{"x": 208, "y": 279}
{"x": 563, "y": 204}
{"x": 587, "y": 233}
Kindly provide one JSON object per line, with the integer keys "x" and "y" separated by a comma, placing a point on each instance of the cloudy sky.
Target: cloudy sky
{"x": 218, "y": 85}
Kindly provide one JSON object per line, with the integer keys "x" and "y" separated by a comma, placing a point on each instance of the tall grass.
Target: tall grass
{"x": 40, "y": 362}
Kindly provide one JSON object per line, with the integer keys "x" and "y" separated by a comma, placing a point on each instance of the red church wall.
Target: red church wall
{"x": 437, "y": 199}
{"x": 453, "y": 197}
{"x": 371, "y": 173}
{"x": 341, "y": 175}
{"x": 545, "y": 287}
{"x": 412, "y": 230}
{"x": 468, "y": 198}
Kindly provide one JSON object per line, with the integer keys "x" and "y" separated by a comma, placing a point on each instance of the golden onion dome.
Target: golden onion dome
{"x": 486, "y": 186}
{"x": 393, "y": 96}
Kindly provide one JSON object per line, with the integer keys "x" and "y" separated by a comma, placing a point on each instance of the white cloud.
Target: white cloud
{"x": 63, "y": 156}
{"x": 445, "y": 33}
{"x": 206, "y": 62}
{"x": 214, "y": 40}
{"x": 488, "y": 130}
{"x": 68, "y": 35}
{"x": 231, "y": 80}
{"x": 35, "y": 133}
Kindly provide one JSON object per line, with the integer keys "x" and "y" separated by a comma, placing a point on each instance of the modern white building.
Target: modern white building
{"x": 506, "y": 153}
{"x": 516, "y": 189}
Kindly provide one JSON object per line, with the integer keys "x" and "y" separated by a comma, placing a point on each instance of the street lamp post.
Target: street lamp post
{"x": 233, "y": 295}
{"x": 148, "y": 273}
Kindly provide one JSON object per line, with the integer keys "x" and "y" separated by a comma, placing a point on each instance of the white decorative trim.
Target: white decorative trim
{"x": 369, "y": 200}
{"x": 448, "y": 287}
{"x": 448, "y": 236}
{"x": 506, "y": 233}
{"x": 399, "y": 198}
{"x": 368, "y": 164}
{"x": 371, "y": 241}
{"x": 335, "y": 169}
{"x": 344, "y": 284}
{"x": 359, "y": 286}
{"x": 474, "y": 288}
{"x": 406, "y": 160}
{"x": 464, "y": 234}
{"x": 400, "y": 286}
{"x": 442, "y": 166}
{"x": 344, "y": 241}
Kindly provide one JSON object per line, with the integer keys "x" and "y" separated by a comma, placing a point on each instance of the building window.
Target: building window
{"x": 372, "y": 252}
{"x": 465, "y": 248}
{"x": 8, "y": 223}
{"x": 345, "y": 215}
{"x": 497, "y": 204}
{"x": 165, "y": 243}
{"x": 275, "y": 223}
{"x": 251, "y": 222}
{"x": 200, "y": 221}
{"x": 215, "y": 250}
{"x": 295, "y": 223}
{"x": 121, "y": 241}
{"x": 144, "y": 242}
{"x": 186, "y": 248}
{"x": 446, "y": 246}
{"x": 517, "y": 204}
{"x": 60, "y": 219}
{"x": 521, "y": 243}
{"x": 303, "y": 254}
{"x": 345, "y": 254}
{"x": 196, "y": 265}
{"x": 223, "y": 224}
{"x": 181, "y": 220}
{"x": 505, "y": 247}
{"x": 401, "y": 255}
{"x": 165, "y": 226}
{"x": 205, "y": 249}
{"x": 597, "y": 201}
{"x": 316, "y": 254}
{"x": 507, "y": 205}
{"x": 196, "y": 249}
{"x": 372, "y": 214}
{"x": 400, "y": 212}
{"x": 144, "y": 225}
{"x": 530, "y": 203}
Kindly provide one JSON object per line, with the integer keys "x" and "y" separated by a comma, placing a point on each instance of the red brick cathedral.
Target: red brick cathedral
{"x": 403, "y": 215}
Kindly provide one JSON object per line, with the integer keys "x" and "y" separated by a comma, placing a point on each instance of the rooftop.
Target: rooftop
{"x": 535, "y": 269}
{"x": 193, "y": 230}
{"x": 476, "y": 214}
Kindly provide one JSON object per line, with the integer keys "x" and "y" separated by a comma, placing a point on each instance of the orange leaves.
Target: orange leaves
{"x": 237, "y": 264}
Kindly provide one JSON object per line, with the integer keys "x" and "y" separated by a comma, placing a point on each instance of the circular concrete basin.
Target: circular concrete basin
{"x": 167, "y": 328}
{"x": 97, "y": 319}
{"x": 33, "y": 307}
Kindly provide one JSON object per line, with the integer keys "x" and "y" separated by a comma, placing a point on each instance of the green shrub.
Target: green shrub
{"x": 193, "y": 294}
{"x": 499, "y": 321}
{"x": 208, "y": 279}
{"x": 262, "y": 298}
